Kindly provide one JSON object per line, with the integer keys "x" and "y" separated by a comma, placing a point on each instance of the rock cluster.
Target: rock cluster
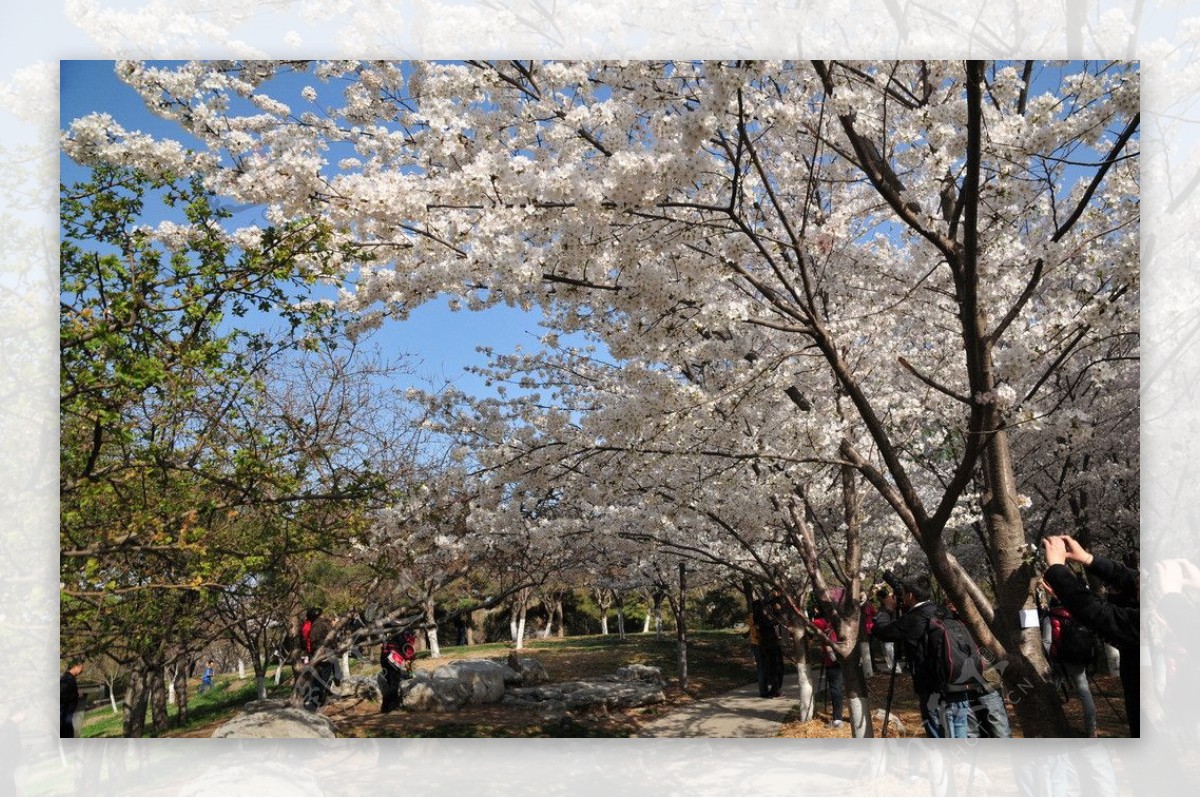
{"x": 362, "y": 687}
{"x": 276, "y": 719}
{"x": 632, "y": 686}
{"x": 522, "y": 681}
{"x": 518, "y": 681}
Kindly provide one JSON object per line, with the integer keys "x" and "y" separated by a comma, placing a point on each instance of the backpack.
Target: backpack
{"x": 952, "y": 656}
{"x": 398, "y": 651}
{"x": 1070, "y": 642}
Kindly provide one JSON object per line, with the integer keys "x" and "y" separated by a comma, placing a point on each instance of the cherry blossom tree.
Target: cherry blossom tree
{"x": 890, "y": 266}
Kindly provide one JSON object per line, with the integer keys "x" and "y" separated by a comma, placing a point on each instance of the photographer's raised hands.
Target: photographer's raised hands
{"x": 1076, "y": 552}
{"x": 1055, "y": 549}
{"x": 1061, "y": 549}
{"x": 1116, "y": 622}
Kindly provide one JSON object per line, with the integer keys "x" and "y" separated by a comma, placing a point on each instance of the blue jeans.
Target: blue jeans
{"x": 835, "y": 682}
{"x": 956, "y": 712}
{"x": 1076, "y": 676}
{"x": 990, "y": 716}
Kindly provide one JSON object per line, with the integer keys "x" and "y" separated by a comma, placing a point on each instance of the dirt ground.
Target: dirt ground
{"x": 363, "y": 719}
{"x": 358, "y": 718}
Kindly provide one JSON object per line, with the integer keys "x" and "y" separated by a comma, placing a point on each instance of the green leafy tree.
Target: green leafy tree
{"x": 175, "y": 427}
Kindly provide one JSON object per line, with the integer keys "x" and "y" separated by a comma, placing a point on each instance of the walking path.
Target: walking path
{"x": 740, "y": 713}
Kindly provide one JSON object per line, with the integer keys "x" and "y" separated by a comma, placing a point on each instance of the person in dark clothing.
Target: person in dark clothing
{"x": 1117, "y": 623}
{"x": 1070, "y": 666}
{"x": 760, "y": 665}
{"x": 909, "y": 629}
{"x": 68, "y": 699}
{"x": 770, "y": 648}
{"x": 317, "y": 675}
{"x": 835, "y": 679}
{"x": 395, "y": 659}
{"x": 460, "y": 631}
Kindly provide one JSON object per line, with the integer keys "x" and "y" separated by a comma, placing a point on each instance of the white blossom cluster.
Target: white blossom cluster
{"x": 733, "y": 236}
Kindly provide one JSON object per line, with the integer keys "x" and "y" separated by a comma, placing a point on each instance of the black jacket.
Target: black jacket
{"x": 1117, "y": 624}
{"x": 68, "y": 694}
{"x": 909, "y": 630}
{"x": 318, "y": 633}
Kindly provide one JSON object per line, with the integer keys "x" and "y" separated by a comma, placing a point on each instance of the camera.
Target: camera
{"x": 894, "y": 582}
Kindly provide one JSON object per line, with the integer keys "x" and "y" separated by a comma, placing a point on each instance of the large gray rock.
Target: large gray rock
{"x": 895, "y": 725}
{"x": 274, "y": 719}
{"x": 615, "y": 695}
{"x": 484, "y": 678}
{"x": 641, "y": 673}
{"x": 552, "y": 711}
{"x": 431, "y": 694}
{"x": 528, "y": 671}
{"x": 544, "y": 692}
{"x": 486, "y": 681}
{"x": 364, "y": 687}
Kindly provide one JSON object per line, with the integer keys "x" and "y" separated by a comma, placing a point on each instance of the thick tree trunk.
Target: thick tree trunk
{"x": 621, "y": 623}
{"x": 260, "y": 677}
{"x": 261, "y": 666}
{"x": 681, "y": 627}
{"x": 1024, "y": 666}
{"x": 807, "y": 703}
{"x": 1027, "y": 673}
{"x": 658, "y": 618}
{"x": 557, "y": 618}
{"x": 864, "y": 656}
{"x": 478, "y": 618}
{"x": 604, "y": 600}
{"x": 431, "y": 630}
{"x": 518, "y": 626}
{"x": 857, "y": 698}
{"x": 181, "y": 693}
{"x": 133, "y": 723}
{"x": 160, "y": 719}
{"x": 431, "y": 638}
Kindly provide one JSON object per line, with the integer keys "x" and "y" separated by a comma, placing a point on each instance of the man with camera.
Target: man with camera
{"x": 1116, "y": 621}
{"x": 907, "y": 622}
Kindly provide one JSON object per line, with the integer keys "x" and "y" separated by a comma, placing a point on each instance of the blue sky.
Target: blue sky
{"x": 440, "y": 343}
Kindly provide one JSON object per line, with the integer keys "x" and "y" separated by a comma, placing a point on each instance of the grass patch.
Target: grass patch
{"x": 226, "y": 697}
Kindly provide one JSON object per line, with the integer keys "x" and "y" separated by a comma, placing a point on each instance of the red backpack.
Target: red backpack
{"x": 398, "y": 651}
{"x": 1070, "y": 641}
